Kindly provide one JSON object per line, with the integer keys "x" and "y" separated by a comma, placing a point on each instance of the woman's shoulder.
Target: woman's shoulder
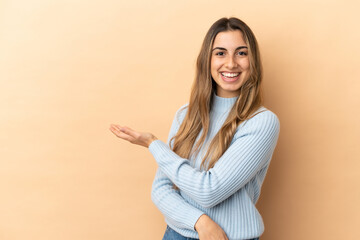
{"x": 181, "y": 113}
{"x": 263, "y": 118}
{"x": 264, "y": 113}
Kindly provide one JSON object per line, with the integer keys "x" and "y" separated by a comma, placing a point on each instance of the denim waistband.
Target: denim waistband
{"x": 170, "y": 234}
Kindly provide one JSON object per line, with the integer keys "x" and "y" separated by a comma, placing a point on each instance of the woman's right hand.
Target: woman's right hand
{"x": 208, "y": 229}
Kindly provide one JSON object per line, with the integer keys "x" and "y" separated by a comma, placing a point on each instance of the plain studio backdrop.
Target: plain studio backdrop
{"x": 68, "y": 69}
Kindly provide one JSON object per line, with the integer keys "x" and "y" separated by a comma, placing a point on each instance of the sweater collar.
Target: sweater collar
{"x": 221, "y": 104}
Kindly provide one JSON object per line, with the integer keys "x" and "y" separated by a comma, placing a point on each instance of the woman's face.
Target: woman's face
{"x": 229, "y": 63}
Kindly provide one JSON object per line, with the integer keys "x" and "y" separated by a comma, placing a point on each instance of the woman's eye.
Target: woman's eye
{"x": 243, "y": 53}
{"x": 219, "y": 53}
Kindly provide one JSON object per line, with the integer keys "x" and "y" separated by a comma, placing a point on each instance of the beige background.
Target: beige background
{"x": 70, "y": 68}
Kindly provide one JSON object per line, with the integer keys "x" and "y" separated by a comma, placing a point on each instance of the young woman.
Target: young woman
{"x": 220, "y": 144}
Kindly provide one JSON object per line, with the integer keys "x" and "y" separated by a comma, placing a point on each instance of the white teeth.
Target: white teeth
{"x": 230, "y": 74}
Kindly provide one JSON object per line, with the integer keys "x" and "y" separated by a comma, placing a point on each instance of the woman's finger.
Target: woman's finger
{"x": 126, "y": 130}
{"x": 129, "y": 132}
{"x": 115, "y": 126}
{"x": 122, "y": 135}
{"x": 118, "y": 128}
{"x": 115, "y": 131}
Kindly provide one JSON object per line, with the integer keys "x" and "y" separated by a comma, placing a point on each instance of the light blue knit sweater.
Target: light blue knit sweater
{"x": 227, "y": 193}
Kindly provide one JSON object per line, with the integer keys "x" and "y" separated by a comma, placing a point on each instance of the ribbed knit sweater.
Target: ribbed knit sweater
{"x": 228, "y": 192}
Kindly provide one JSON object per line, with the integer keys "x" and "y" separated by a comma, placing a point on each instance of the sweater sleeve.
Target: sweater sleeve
{"x": 250, "y": 151}
{"x": 169, "y": 201}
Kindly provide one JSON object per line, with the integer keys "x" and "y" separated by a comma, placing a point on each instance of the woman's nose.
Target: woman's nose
{"x": 231, "y": 63}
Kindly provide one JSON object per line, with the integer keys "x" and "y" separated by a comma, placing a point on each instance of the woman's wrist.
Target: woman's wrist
{"x": 200, "y": 222}
{"x": 151, "y": 139}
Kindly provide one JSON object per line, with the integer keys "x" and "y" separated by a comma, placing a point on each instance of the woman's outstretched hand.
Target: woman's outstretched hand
{"x": 132, "y": 136}
{"x": 208, "y": 229}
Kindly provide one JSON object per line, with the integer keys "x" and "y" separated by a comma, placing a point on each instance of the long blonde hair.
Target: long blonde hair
{"x": 197, "y": 116}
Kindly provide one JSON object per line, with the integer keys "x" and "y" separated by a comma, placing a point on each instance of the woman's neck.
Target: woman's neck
{"x": 221, "y": 104}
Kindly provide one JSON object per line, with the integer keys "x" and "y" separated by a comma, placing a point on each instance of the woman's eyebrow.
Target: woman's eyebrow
{"x": 224, "y": 49}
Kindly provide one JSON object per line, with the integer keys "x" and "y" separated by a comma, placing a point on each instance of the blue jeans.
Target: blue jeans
{"x": 172, "y": 235}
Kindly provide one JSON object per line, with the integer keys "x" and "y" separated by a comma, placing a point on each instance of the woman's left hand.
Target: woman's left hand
{"x": 132, "y": 136}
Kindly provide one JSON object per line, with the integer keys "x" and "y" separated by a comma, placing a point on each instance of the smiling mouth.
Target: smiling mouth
{"x": 230, "y": 77}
